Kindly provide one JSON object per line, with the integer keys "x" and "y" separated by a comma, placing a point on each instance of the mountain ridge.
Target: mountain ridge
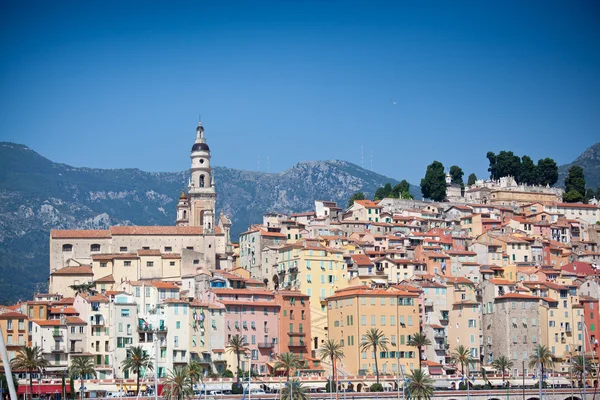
{"x": 37, "y": 195}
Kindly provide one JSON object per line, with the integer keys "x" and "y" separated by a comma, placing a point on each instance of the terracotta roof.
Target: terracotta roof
{"x": 461, "y": 253}
{"x": 106, "y": 279}
{"x": 79, "y": 234}
{"x": 549, "y": 300}
{"x": 164, "y": 285}
{"x": 368, "y": 203}
{"x": 576, "y": 205}
{"x": 272, "y": 234}
{"x": 518, "y": 296}
{"x": 74, "y": 270}
{"x": 360, "y": 259}
{"x": 171, "y": 256}
{"x": 75, "y": 321}
{"x": 97, "y": 298}
{"x": 63, "y": 310}
{"x": 157, "y": 230}
{"x": 250, "y": 302}
{"x": 108, "y": 256}
{"x": 148, "y": 252}
{"x": 498, "y": 281}
{"x": 12, "y": 314}
{"x": 48, "y": 322}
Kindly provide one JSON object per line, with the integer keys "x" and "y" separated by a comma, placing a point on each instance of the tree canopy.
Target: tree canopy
{"x": 574, "y": 185}
{"x": 523, "y": 169}
{"x": 383, "y": 191}
{"x": 356, "y": 196}
{"x": 456, "y": 174}
{"x": 472, "y": 179}
{"x": 547, "y": 172}
{"x": 528, "y": 172}
{"x": 433, "y": 185}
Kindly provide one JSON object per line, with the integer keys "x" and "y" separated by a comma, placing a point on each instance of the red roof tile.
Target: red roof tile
{"x": 79, "y": 234}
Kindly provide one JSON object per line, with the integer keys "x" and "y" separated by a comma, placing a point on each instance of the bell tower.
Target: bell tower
{"x": 201, "y": 188}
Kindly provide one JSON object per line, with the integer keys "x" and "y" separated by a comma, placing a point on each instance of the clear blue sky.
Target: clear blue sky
{"x": 121, "y": 83}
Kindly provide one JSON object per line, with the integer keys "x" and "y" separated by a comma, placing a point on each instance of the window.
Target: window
{"x": 147, "y": 292}
{"x": 95, "y": 247}
{"x": 178, "y": 324}
{"x": 127, "y": 263}
{"x": 149, "y": 263}
{"x": 372, "y": 320}
{"x": 67, "y": 247}
{"x": 103, "y": 265}
{"x": 383, "y": 320}
{"x": 125, "y": 312}
{"x": 168, "y": 249}
{"x": 122, "y": 248}
{"x": 363, "y": 320}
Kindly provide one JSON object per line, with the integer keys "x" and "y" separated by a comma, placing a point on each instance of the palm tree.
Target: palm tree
{"x": 376, "y": 340}
{"x": 287, "y": 362}
{"x": 178, "y": 384}
{"x": 578, "y": 367}
{"x": 298, "y": 391}
{"x": 541, "y": 356}
{"x": 237, "y": 344}
{"x": 419, "y": 340}
{"x": 420, "y": 385}
{"x": 137, "y": 358}
{"x": 29, "y": 359}
{"x": 462, "y": 356}
{"x": 194, "y": 370}
{"x": 331, "y": 350}
{"x": 82, "y": 367}
{"x": 502, "y": 364}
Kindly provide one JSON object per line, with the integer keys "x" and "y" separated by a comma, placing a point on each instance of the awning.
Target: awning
{"x": 379, "y": 281}
{"x": 133, "y": 387}
{"x": 43, "y": 389}
{"x": 436, "y": 371}
{"x": 441, "y": 384}
{"x": 519, "y": 382}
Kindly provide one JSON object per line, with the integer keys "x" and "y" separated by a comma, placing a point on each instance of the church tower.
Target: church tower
{"x": 201, "y": 189}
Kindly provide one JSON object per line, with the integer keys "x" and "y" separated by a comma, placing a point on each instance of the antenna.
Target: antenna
{"x": 362, "y": 157}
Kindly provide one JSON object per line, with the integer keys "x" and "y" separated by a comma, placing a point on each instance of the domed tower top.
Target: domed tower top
{"x": 200, "y": 143}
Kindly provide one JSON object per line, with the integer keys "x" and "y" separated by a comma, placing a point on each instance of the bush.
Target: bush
{"x": 237, "y": 388}
{"x": 376, "y": 387}
{"x": 227, "y": 374}
{"x": 329, "y": 386}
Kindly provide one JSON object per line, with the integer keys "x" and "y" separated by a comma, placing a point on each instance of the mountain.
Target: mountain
{"x": 589, "y": 160}
{"x": 37, "y": 195}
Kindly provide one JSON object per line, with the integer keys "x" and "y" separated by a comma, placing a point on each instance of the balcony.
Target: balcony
{"x": 300, "y": 344}
{"x": 428, "y": 303}
{"x": 266, "y": 345}
{"x": 440, "y": 347}
{"x": 97, "y": 322}
{"x": 439, "y": 335}
{"x": 57, "y": 334}
{"x": 57, "y": 349}
{"x": 297, "y": 333}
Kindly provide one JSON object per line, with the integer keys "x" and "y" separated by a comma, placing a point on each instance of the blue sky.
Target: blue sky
{"x": 121, "y": 84}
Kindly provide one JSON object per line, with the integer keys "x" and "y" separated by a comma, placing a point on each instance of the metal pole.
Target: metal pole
{"x": 523, "y": 379}
{"x": 541, "y": 378}
{"x": 583, "y": 348}
{"x": 398, "y": 373}
{"x": 403, "y": 381}
{"x": 467, "y": 382}
{"x": 7, "y": 371}
{"x": 155, "y": 366}
{"x": 249, "y": 377}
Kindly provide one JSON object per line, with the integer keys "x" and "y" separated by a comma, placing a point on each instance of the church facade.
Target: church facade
{"x": 198, "y": 242}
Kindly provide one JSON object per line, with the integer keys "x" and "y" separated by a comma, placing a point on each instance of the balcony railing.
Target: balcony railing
{"x": 297, "y": 333}
{"x": 58, "y": 349}
{"x": 266, "y": 345}
{"x": 57, "y": 333}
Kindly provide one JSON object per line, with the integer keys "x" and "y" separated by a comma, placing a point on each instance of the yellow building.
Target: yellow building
{"x": 353, "y": 311}
{"x": 14, "y": 329}
{"x": 317, "y": 272}
{"x": 464, "y": 327}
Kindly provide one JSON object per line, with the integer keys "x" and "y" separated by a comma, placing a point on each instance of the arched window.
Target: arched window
{"x": 201, "y": 180}
{"x": 67, "y": 247}
{"x": 95, "y": 247}
{"x": 184, "y": 214}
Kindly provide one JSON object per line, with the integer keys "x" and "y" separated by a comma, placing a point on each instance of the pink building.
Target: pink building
{"x": 254, "y": 315}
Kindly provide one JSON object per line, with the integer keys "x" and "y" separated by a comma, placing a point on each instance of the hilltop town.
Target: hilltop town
{"x": 497, "y": 269}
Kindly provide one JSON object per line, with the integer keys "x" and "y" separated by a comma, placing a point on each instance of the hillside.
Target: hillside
{"x": 37, "y": 195}
{"x": 589, "y": 160}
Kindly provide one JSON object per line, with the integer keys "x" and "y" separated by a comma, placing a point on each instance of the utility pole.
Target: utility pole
{"x": 523, "y": 379}
{"x": 583, "y": 348}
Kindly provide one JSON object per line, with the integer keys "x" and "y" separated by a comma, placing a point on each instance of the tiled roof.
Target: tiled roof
{"x": 577, "y": 205}
{"x": 360, "y": 259}
{"x": 368, "y": 203}
{"x": 157, "y": 230}
{"x": 75, "y": 321}
{"x": 106, "y": 279}
{"x": 518, "y": 296}
{"x": 148, "y": 252}
{"x": 74, "y": 270}
{"x": 79, "y": 234}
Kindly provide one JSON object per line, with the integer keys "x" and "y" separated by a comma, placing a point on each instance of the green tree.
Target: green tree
{"x": 356, "y": 196}
{"x": 589, "y": 194}
{"x": 80, "y": 368}
{"x": 420, "y": 386}
{"x": 383, "y": 192}
{"x": 456, "y": 174}
{"x": 433, "y": 185}
{"x": 502, "y": 364}
{"x": 462, "y": 356}
{"x": 504, "y": 164}
{"x": 331, "y": 350}
{"x": 136, "y": 361}
{"x": 541, "y": 355}
{"x": 287, "y": 362}
{"x": 4, "y": 382}
{"x": 374, "y": 339}
{"x": 178, "y": 384}
{"x": 572, "y": 196}
{"x": 547, "y": 172}
{"x": 402, "y": 191}
{"x": 472, "y": 179}
{"x": 419, "y": 340}
{"x": 578, "y": 367}
{"x": 574, "y": 182}
{"x": 294, "y": 390}
{"x": 84, "y": 288}
{"x": 528, "y": 173}
{"x": 194, "y": 370}
{"x": 30, "y": 360}
{"x": 237, "y": 345}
